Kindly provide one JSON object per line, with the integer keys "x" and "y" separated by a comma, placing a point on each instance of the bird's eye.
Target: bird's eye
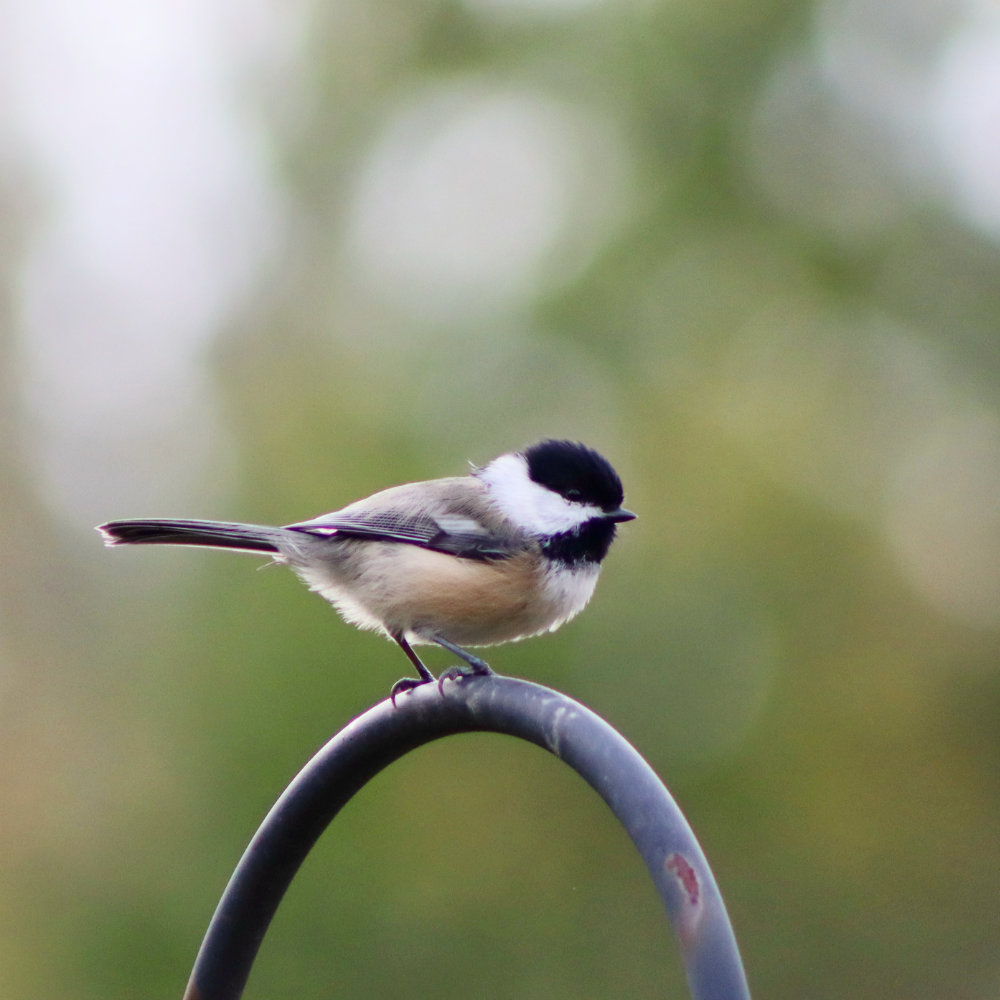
{"x": 574, "y": 494}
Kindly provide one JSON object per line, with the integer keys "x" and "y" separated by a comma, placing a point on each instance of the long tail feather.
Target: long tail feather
{"x": 213, "y": 534}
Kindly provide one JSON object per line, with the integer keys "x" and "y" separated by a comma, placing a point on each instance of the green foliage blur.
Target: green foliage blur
{"x": 737, "y": 246}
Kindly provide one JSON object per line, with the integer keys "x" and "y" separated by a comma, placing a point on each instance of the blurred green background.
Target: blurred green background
{"x": 260, "y": 259}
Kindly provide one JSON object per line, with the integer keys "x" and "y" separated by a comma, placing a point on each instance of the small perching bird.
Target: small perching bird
{"x": 512, "y": 550}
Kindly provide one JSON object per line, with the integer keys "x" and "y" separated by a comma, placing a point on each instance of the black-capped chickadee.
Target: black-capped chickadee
{"x": 510, "y": 551}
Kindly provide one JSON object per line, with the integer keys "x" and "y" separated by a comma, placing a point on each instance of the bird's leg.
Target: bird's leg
{"x": 476, "y": 666}
{"x": 409, "y": 683}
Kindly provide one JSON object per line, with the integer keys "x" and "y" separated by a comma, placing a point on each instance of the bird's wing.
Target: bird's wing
{"x": 443, "y": 522}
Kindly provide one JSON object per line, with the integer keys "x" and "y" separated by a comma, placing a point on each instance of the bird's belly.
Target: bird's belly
{"x": 420, "y": 593}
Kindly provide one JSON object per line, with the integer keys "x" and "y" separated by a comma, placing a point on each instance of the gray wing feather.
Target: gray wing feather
{"x": 446, "y": 525}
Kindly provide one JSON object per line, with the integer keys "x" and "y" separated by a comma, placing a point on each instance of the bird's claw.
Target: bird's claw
{"x": 406, "y": 684}
{"x": 477, "y": 669}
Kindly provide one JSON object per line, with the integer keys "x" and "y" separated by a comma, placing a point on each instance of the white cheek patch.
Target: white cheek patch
{"x": 538, "y": 510}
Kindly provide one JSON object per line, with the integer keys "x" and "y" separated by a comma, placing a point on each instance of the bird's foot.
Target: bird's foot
{"x": 407, "y": 684}
{"x": 479, "y": 668}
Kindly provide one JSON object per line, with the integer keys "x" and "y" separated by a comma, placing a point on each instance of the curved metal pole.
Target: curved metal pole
{"x": 474, "y": 704}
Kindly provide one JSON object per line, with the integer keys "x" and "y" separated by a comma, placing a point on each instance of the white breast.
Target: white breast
{"x": 567, "y": 590}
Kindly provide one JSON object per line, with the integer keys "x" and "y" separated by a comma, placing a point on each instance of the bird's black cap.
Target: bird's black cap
{"x": 577, "y": 473}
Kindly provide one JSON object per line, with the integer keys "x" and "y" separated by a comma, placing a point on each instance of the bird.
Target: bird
{"x": 509, "y": 551}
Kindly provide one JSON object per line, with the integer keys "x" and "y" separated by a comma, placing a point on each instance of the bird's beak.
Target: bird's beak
{"x": 621, "y": 514}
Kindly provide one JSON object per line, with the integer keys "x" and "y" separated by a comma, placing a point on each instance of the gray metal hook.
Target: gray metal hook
{"x": 497, "y": 704}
